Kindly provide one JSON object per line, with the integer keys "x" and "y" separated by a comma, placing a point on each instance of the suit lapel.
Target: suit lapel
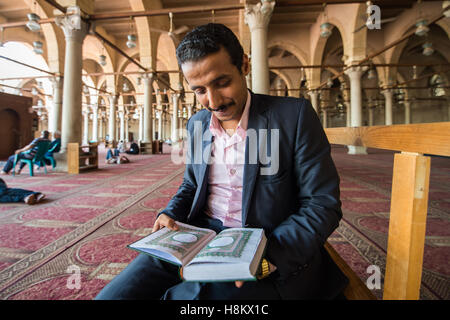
{"x": 257, "y": 120}
{"x": 206, "y": 152}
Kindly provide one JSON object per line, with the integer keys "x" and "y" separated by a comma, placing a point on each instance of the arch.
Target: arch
{"x": 292, "y": 48}
{"x": 147, "y": 39}
{"x": 318, "y": 52}
{"x": 166, "y": 52}
{"x": 54, "y": 36}
{"x": 405, "y": 22}
{"x": 285, "y": 78}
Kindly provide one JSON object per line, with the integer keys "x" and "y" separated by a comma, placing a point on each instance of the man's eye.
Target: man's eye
{"x": 199, "y": 91}
{"x": 223, "y": 83}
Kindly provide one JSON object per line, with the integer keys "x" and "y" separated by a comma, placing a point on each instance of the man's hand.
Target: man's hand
{"x": 164, "y": 221}
{"x": 272, "y": 268}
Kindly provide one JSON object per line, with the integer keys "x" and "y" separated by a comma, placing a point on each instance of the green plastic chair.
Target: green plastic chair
{"x": 38, "y": 157}
{"x": 49, "y": 157}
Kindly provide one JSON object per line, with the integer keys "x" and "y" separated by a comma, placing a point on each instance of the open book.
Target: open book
{"x": 233, "y": 254}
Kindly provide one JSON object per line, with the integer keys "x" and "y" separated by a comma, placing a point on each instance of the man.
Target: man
{"x": 134, "y": 148}
{"x": 19, "y": 195}
{"x": 293, "y": 194}
{"x": 27, "y": 152}
{"x": 55, "y": 146}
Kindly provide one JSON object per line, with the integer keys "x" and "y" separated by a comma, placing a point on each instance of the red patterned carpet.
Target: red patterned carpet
{"x": 88, "y": 219}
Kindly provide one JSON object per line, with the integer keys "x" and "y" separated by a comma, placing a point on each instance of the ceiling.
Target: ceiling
{"x": 290, "y": 13}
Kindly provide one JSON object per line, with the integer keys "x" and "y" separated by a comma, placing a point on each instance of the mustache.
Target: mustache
{"x": 222, "y": 107}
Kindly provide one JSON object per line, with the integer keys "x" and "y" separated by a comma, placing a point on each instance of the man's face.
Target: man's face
{"x": 218, "y": 84}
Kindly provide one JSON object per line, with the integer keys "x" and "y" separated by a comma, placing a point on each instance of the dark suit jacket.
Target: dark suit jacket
{"x": 298, "y": 206}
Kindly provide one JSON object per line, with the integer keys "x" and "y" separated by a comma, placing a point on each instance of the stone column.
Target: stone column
{"x": 314, "y": 94}
{"x": 257, "y": 17}
{"x": 71, "y": 106}
{"x": 127, "y": 117}
{"x": 163, "y": 125}
{"x": 154, "y": 127}
{"x": 388, "y": 96}
{"x": 112, "y": 118}
{"x": 174, "y": 136}
{"x": 86, "y": 126}
{"x": 348, "y": 113}
{"x": 122, "y": 126}
{"x": 279, "y": 87}
{"x": 54, "y": 121}
{"x": 148, "y": 112}
{"x": 407, "y": 112}
{"x": 95, "y": 123}
{"x": 160, "y": 126}
{"x": 189, "y": 111}
{"x": 324, "y": 118}
{"x": 100, "y": 128}
{"x": 141, "y": 123}
{"x": 371, "y": 109}
{"x": 355, "y": 73}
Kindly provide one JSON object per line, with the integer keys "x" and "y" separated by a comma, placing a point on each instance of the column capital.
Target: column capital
{"x": 56, "y": 81}
{"x": 257, "y": 16}
{"x": 313, "y": 92}
{"x": 175, "y": 96}
{"x": 387, "y": 91}
{"x": 112, "y": 99}
{"x": 355, "y": 72}
{"x": 73, "y": 31}
{"x": 148, "y": 78}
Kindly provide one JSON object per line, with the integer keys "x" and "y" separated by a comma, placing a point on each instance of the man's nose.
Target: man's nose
{"x": 214, "y": 99}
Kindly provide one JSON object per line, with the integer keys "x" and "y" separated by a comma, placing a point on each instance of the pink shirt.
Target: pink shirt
{"x": 226, "y": 171}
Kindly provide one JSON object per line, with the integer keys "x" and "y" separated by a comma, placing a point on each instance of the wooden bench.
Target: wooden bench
{"x": 145, "y": 147}
{"x": 81, "y": 158}
{"x": 409, "y": 200}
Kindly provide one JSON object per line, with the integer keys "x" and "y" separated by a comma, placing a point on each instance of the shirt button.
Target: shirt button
{"x": 232, "y": 171}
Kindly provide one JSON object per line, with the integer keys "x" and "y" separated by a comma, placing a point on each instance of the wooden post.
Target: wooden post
{"x": 406, "y": 239}
{"x": 73, "y": 160}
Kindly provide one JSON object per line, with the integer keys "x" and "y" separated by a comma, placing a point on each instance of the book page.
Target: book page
{"x": 182, "y": 244}
{"x": 231, "y": 245}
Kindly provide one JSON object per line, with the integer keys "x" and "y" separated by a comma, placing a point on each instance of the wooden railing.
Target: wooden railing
{"x": 409, "y": 197}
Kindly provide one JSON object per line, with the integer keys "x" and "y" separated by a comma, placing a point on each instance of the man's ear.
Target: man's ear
{"x": 245, "y": 65}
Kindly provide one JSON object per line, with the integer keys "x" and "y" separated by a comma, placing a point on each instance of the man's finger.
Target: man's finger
{"x": 239, "y": 283}
{"x": 172, "y": 225}
{"x": 156, "y": 226}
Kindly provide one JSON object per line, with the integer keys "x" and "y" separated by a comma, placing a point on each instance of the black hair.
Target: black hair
{"x": 45, "y": 134}
{"x": 207, "y": 39}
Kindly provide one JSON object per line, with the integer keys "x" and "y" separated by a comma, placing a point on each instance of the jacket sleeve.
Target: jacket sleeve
{"x": 297, "y": 239}
{"x": 180, "y": 205}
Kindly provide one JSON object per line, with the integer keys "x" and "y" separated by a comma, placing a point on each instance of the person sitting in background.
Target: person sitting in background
{"x": 118, "y": 160}
{"x": 18, "y": 195}
{"x": 112, "y": 153}
{"x": 121, "y": 146}
{"x": 134, "y": 148}
{"x": 55, "y": 147}
{"x": 27, "y": 152}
